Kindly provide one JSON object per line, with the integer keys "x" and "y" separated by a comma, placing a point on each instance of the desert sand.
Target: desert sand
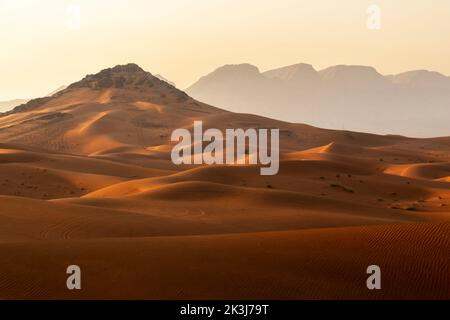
{"x": 86, "y": 179}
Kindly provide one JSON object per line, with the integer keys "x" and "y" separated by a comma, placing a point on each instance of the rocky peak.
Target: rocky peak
{"x": 120, "y": 76}
{"x": 129, "y": 77}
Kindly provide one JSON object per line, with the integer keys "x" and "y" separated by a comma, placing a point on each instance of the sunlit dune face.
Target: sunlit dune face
{"x": 246, "y": 159}
{"x": 432, "y": 171}
{"x": 9, "y": 151}
{"x": 105, "y": 97}
{"x": 160, "y": 148}
{"x": 142, "y": 105}
{"x": 89, "y": 122}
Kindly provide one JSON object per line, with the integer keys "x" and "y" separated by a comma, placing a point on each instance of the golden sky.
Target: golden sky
{"x": 43, "y": 46}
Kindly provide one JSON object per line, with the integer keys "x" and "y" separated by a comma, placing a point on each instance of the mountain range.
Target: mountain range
{"x": 357, "y": 98}
{"x": 6, "y": 106}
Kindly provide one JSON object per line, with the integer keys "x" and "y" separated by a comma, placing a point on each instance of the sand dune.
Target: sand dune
{"x": 431, "y": 171}
{"x": 273, "y": 265}
{"x": 86, "y": 178}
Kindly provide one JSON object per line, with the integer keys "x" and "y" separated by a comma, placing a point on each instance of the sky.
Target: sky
{"x": 48, "y": 43}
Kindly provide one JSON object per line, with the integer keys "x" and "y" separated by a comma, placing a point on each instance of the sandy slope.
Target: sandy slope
{"x": 311, "y": 264}
{"x": 86, "y": 178}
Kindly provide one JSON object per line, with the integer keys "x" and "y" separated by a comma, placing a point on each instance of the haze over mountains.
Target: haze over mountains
{"x": 6, "y": 106}
{"x": 357, "y": 98}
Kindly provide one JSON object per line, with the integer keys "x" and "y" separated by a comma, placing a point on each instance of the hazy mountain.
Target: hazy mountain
{"x": 61, "y": 88}
{"x": 238, "y": 88}
{"x": 414, "y": 103}
{"x": 8, "y": 105}
{"x": 298, "y": 72}
{"x": 160, "y": 77}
